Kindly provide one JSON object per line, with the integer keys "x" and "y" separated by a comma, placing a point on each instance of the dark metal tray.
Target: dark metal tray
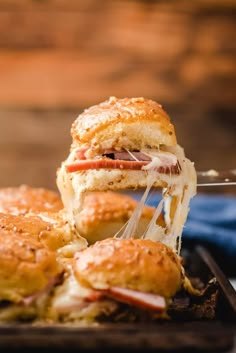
{"x": 217, "y": 334}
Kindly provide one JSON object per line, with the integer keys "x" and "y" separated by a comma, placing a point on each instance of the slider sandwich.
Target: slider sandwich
{"x": 123, "y": 144}
{"x": 36, "y": 246}
{"x": 118, "y": 280}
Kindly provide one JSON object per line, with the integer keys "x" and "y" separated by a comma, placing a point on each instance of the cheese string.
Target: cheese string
{"x": 153, "y": 230}
{"x": 134, "y": 219}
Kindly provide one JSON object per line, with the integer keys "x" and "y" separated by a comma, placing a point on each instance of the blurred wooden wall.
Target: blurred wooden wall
{"x": 58, "y": 57}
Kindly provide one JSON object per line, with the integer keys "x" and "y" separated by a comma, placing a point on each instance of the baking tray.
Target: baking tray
{"x": 216, "y": 334}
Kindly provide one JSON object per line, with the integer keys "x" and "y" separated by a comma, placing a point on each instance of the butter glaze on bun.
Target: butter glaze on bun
{"x": 133, "y": 123}
{"x": 52, "y": 232}
{"x": 137, "y": 264}
{"x": 26, "y": 199}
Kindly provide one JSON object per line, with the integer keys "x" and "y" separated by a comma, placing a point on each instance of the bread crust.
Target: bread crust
{"x": 53, "y": 232}
{"x": 25, "y": 199}
{"x": 113, "y": 121}
{"x": 138, "y": 264}
{"x": 27, "y": 267}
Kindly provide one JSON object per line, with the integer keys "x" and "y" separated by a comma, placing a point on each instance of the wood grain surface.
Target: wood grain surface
{"x": 59, "y": 57}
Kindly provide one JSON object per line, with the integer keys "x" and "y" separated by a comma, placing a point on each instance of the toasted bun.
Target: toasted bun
{"x": 52, "y": 232}
{"x": 133, "y": 123}
{"x": 25, "y": 199}
{"x": 105, "y": 213}
{"x": 137, "y": 264}
{"x": 27, "y": 267}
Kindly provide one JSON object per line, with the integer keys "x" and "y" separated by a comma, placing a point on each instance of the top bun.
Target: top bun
{"x": 133, "y": 123}
{"x": 27, "y": 267}
{"x": 138, "y": 264}
{"x": 25, "y": 199}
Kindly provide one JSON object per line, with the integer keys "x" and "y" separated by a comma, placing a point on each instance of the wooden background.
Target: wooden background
{"x": 58, "y": 57}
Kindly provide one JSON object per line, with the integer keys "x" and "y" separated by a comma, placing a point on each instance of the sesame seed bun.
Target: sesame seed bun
{"x": 27, "y": 267}
{"x": 138, "y": 264}
{"x": 52, "y": 232}
{"x": 26, "y": 199}
{"x": 133, "y": 123}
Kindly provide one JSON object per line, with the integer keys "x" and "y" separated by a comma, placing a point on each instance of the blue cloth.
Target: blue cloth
{"x": 212, "y": 221}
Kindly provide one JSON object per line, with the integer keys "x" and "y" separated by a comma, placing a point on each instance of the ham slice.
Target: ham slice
{"x": 117, "y": 164}
{"x": 104, "y": 163}
{"x": 165, "y": 162}
{"x": 143, "y": 300}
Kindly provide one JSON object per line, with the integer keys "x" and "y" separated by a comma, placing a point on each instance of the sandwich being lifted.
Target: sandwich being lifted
{"x": 123, "y": 144}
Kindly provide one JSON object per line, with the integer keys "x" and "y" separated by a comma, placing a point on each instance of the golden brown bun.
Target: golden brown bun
{"x": 105, "y": 213}
{"x": 137, "y": 264}
{"x": 27, "y": 267}
{"x": 25, "y": 199}
{"x": 128, "y": 122}
{"x": 53, "y": 232}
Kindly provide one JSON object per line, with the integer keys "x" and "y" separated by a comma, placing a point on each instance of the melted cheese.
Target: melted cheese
{"x": 134, "y": 219}
{"x": 175, "y": 202}
{"x": 178, "y": 191}
{"x": 70, "y": 303}
{"x": 69, "y": 296}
